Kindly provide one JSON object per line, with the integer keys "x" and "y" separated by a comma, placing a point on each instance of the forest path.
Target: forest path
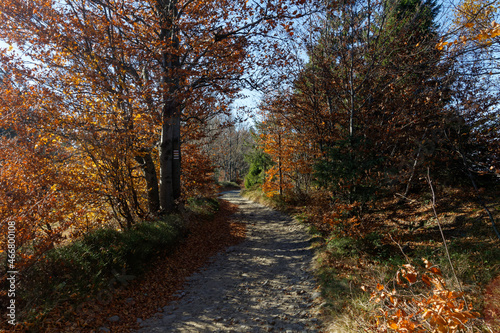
{"x": 263, "y": 284}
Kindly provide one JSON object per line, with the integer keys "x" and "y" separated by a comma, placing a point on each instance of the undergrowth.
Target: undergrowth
{"x": 91, "y": 266}
{"x": 419, "y": 300}
{"x": 276, "y": 202}
{"x": 202, "y": 206}
{"x": 81, "y": 269}
{"x": 227, "y": 185}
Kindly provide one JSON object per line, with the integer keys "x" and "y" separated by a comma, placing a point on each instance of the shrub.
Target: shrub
{"x": 421, "y": 302}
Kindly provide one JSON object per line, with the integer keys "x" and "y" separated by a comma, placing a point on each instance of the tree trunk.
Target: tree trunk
{"x": 148, "y": 168}
{"x": 170, "y": 143}
{"x": 168, "y": 185}
{"x": 176, "y": 163}
{"x": 279, "y": 166}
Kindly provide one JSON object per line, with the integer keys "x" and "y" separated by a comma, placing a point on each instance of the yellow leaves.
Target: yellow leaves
{"x": 46, "y": 140}
{"x": 472, "y": 18}
{"x": 495, "y": 30}
{"x": 473, "y": 13}
{"x": 393, "y": 325}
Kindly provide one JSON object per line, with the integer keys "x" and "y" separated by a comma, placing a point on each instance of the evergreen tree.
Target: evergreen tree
{"x": 259, "y": 163}
{"x": 373, "y": 94}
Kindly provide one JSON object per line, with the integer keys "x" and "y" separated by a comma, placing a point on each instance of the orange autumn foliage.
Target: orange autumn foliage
{"x": 438, "y": 309}
{"x": 198, "y": 173}
{"x": 292, "y": 154}
{"x": 104, "y": 98}
{"x": 41, "y": 191}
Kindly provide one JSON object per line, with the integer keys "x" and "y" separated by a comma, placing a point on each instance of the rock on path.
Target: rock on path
{"x": 263, "y": 284}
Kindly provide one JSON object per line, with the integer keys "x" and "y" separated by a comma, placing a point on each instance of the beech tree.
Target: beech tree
{"x": 41, "y": 193}
{"x": 145, "y": 63}
{"x": 99, "y": 96}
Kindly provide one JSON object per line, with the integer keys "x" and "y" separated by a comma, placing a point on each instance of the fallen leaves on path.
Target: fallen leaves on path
{"x": 145, "y": 296}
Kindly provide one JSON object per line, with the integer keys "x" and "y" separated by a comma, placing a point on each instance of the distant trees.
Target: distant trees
{"x": 292, "y": 154}
{"x": 259, "y": 162}
{"x": 228, "y": 150}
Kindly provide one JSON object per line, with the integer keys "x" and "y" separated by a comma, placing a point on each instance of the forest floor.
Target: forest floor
{"x": 247, "y": 269}
{"x": 250, "y": 268}
{"x": 393, "y": 232}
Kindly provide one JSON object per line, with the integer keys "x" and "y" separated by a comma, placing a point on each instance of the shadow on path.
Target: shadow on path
{"x": 263, "y": 284}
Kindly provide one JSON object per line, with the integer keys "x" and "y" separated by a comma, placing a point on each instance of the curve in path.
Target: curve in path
{"x": 263, "y": 284}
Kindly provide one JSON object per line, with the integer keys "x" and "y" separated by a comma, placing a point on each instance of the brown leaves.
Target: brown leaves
{"x": 409, "y": 273}
{"x": 428, "y": 307}
{"x": 142, "y": 297}
{"x": 197, "y": 175}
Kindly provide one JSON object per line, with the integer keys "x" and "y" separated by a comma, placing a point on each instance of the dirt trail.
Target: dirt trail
{"x": 263, "y": 284}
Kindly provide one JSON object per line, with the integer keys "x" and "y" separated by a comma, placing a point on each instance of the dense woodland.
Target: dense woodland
{"x": 119, "y": 115}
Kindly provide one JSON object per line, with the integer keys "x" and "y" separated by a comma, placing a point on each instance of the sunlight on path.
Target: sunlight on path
{"x": 264, "y": 284}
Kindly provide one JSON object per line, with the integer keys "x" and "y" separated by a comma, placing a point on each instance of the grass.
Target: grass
{"x": 227, "y": 186}
{"x": 81, "y": 269}
{"x": 203, "y": 206}
{"x": 276, "y": 202}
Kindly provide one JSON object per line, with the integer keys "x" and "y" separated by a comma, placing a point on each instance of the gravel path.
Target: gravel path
{"x": 263, "y": 284}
